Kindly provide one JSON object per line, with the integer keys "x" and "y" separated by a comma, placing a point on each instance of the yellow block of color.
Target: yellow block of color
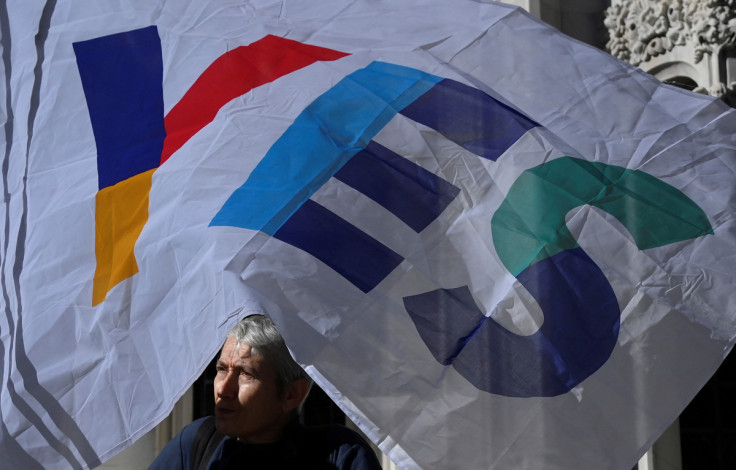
{"x": 121, "y": 212}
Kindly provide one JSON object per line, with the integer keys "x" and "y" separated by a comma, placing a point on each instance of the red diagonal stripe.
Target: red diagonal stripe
{"x": 234, "y": 73}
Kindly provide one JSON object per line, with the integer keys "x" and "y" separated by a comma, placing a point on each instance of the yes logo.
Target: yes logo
{"x": 334, "y": 138}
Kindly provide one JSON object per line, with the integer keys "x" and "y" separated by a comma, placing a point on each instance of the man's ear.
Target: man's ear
{"x": 294, "y": 395}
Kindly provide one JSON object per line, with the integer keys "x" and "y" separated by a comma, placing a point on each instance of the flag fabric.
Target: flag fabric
{"x": 493, "y": 246}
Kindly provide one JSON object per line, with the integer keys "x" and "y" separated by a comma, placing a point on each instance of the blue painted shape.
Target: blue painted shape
{"x": 470, "y": 118}
{"x": 446, "y": 319}
{"x": 330, "y": 131}
{"x": 122, "y": 76}
{"x": 411, "y": 193}
{"x": 580, "y": 329}
{"x": 353, "y": 254}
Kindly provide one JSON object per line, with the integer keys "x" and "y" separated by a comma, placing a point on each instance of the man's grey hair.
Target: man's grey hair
{"x": 261, "y": 334}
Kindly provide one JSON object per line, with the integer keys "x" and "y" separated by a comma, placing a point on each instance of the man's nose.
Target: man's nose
{"x": 227, "y": 386}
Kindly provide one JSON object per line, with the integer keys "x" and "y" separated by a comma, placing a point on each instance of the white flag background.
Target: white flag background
{"x": 82, "y": 380}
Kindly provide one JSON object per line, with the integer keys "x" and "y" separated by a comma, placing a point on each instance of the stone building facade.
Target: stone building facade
{"x": 689, "y": 43}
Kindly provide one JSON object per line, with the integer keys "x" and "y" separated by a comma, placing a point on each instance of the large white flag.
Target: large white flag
{"x": 493, "y": 246}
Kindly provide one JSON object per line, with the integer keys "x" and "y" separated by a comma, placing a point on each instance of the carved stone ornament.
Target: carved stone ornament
{"x": 642, "y": 29}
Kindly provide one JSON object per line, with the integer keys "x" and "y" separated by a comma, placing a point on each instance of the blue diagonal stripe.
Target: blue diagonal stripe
{"x": 332, "y": 129}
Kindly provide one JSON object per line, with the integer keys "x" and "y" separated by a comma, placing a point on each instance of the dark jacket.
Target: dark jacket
{"x": 331, "y": 447}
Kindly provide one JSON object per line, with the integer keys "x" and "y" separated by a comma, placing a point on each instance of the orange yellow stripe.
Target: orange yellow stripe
{"x": 121, "y": 212}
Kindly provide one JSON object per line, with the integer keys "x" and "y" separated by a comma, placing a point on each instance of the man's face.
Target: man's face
{"x": 248, "y": 405}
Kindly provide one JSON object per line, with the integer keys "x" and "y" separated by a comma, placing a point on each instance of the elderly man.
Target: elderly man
{"x": 259, "y": 391}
